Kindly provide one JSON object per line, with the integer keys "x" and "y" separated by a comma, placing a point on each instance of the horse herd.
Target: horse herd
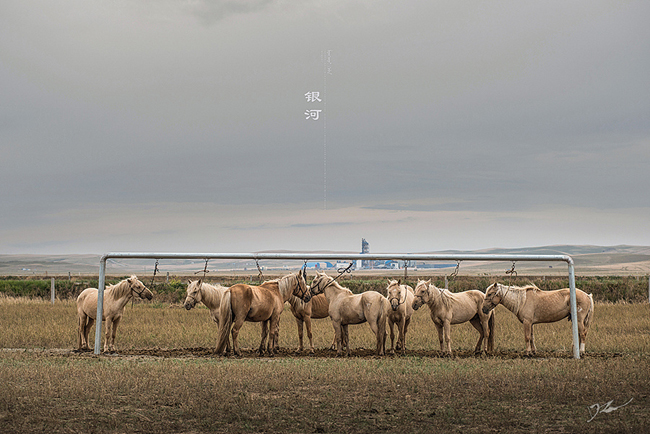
{"x": 325, "y": 297}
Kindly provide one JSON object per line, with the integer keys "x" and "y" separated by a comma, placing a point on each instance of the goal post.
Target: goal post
{"x": 339, "y": 257}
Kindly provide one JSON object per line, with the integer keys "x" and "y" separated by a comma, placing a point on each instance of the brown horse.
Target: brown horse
{"x": 449, "y": 308}
{"x": 210, "y": 295}
{"x": 347, "y": 308}
{"x": 400, "y": 298}
{"x": 531, "y": 305}
{"x": 263, "y": 303}
{"x": 115, "y": 298}
{"x": 316, "y": 308}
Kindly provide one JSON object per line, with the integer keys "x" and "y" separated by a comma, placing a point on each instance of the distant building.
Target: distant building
{"x": 365, "y": 248}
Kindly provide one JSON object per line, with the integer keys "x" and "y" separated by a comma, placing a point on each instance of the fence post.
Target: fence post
{"x": 52, "y": 290}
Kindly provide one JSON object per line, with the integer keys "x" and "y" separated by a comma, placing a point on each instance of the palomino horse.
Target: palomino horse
{"x": 316, "y": 308}
{"x": 400, "y": 298}
{"x": 449, "y": 308}
{"x": 531, "y": 305}
{"x": 115, "y": 298}
{"x": 209, "y": 295}
{"x": 348, "y": 308}
{"x": 263, "y": 303}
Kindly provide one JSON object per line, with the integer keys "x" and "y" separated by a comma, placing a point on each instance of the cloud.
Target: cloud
{"x": 168, "y": 116}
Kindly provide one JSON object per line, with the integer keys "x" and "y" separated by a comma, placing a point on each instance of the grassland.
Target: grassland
{"x": 166, "y": 378}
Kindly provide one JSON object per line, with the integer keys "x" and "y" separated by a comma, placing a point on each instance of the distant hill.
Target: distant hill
{"x": 588, "y": 259}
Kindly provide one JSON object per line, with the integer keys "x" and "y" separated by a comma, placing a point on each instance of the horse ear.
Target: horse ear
{"x": 429, "y": 282}
{"x": 199, "y": 282}
{"x": 399, "y": 281}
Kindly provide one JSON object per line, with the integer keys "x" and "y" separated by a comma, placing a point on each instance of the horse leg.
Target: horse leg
{"x": 237, "y": 324}
{"x": 116, "y": 322}
{"x": 447, "y": 332}
{"x": 481, "y": 328}
{"x": 391, "y": 327}
{"x": 274, "y": 334}
{"x": 582, "y": 331}
{"x": 299, "y": 323}
{"x": 380, "y": 339}
{"x": 346, "y": 339}
{"x": 407, "y": 321}
{"x": 333, "y": 346}
{"x": 83, "y": 335}
{"x": 440, "y": 338}
{"x": 107, "y": 336}
{"x": 309, "y": 335}
{"x": 528, "y": 335}
{"x": 338, "y": 337}
{"x": 89, "y": 326}
{"x": 265, "y": 334}
{"x": 402, "y": 334}
{"x": 532, "y": 339}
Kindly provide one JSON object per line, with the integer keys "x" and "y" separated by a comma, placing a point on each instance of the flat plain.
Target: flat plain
{"x": 166, "y": 377}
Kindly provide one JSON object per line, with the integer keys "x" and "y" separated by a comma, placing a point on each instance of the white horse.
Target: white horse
{"x": 532, "y": 306}
{"x": 115, "y": 299}
{"x": 210, "y": 296}
{"x": 449, "y": 308}
{"x": 347, "y": 308}
{"x": 400, "y": 298}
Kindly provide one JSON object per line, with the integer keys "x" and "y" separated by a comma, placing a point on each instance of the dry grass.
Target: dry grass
{"x": 47, "y": 387}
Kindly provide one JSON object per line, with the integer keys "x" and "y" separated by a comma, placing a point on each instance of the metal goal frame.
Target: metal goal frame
{"x": 338, "y": 257}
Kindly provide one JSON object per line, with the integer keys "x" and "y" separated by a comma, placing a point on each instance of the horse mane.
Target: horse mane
{"x": 515, "y": 296}
{"x": 446, "y": 296}
{"x": 333, "y": 282}
{"x": 121, "y": 289}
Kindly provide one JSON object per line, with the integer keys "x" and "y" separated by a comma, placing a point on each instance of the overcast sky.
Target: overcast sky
{"x": 186, "y": 125}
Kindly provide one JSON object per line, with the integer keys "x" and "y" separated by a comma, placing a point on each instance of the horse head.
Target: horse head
{"x": 139, "y": 288}
{"x": 394, "y": 294}
{"x": 492, "y": 297}
{"x": 193, "y": 294}
{"x": 421, "y": 293}
{"x": 302, "y": 291}
{"x": 319, "y": 283}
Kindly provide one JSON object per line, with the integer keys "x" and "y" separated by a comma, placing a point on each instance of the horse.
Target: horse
{"x": 263, "y": 303}
{"x": 210, "y": 295}
{"x": 115, "y": 299}
{"x": 347, "y": 308}
{"x": 532, "y": 306}
{"x": 316, "y": 308}
{"x": 449, "y": 308}
{"x": 400, "y": 298}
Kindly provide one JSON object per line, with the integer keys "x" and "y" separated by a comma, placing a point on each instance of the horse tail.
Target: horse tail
{"x": 225, "y": 323}
{"x": 491, "y": 321}
{"x": 590, "y": 312}
{"x": 381, "y": 326}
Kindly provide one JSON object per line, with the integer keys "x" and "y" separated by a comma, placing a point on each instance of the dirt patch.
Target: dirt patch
{"x": 249, "y": 353}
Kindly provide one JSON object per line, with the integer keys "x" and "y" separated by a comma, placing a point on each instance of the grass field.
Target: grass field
{"x": 166, "y": 379}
